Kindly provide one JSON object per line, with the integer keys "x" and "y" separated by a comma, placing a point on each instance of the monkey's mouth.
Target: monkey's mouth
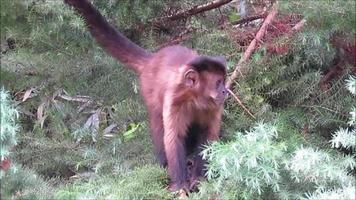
{"x": 219, "y": 101}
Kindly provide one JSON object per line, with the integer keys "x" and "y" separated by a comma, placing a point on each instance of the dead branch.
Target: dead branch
{"x": 178, "y": 39}
{"x": 284, "y": 48}
{"x": 175, "y": 41}
{"x": 248, "y": 19}
{"x": 241, "y": 104}
{"x": 299, "y": 26}
{"x": 75, "y": 98}
{"x": 193, "y": 11}
{"x": 250, "y": 49}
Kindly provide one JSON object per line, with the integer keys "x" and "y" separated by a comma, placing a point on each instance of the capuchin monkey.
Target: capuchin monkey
{"x": 183, "y": 91}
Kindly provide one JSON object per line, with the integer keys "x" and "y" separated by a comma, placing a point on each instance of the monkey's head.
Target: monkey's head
{"x": 205, "y": 76}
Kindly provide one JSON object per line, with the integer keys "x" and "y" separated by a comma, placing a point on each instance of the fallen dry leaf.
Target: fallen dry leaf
{"x": 40, "y": 113}
{"x": 109, "y": 128}
{"x": 28, "y": 93}
{"x": 93, "y": 121}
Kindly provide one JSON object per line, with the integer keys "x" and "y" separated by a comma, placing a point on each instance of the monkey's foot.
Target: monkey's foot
{"x": 182, "y": 194}
{"x": 174, "y": 187}
{"x": 194, "y": 182}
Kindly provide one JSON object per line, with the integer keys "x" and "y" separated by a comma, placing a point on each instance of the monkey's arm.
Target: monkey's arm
{"x": 109, "y": 38}
{"x": 214, "y": 127}
{"x": 176, "y": 157}
{"x": 175, "y": 125}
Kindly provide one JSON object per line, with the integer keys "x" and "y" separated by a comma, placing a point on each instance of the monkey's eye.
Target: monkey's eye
{"x": 218, "y": 83}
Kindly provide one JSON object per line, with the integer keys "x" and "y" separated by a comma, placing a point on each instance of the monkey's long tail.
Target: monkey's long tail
{"x": 109, "y": 38}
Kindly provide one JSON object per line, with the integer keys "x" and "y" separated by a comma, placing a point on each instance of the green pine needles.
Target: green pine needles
{"x": 256, "y": 165}
{"x": 9, "y": 127}
{"x": 251, "y": 159}
{"x": 351, "y": 84}
{"x": 346, "y": 137}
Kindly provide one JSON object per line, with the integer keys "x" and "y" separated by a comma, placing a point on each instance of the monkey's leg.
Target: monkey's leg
{"x": 157, "y": 132}
{"x": 204, "y": 136}
{"x": 176, "y": 158}
{"x": 197, "y": 171}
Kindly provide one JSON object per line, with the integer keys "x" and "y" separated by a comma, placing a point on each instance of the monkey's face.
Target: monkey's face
{"x": 214, "y": 87}
{"x": 209, "y": 86}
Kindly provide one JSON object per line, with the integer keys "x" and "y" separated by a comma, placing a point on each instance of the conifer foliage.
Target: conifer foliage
{"x": 8, "y": 130}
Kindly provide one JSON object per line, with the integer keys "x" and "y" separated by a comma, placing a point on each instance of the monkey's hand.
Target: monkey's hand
{"x": 194, "y": 182}
{"x": 182, "y": 194}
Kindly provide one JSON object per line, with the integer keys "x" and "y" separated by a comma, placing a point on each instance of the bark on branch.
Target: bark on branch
{"x": 251, "y": 48}
{"x": 193, "y": 11}
{"x": 298, "y": 26}
{"x": 179, "y": 38}
{"x": 295, "y": 29}
{"x": 248, "y": 19}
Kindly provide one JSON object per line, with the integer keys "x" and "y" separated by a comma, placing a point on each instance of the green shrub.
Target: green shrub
{"x": 251, "y": 160}
{"x": 23, "y": 183}
{"x": 256, "y": 165}
{"x": 146, "y": 182}
{"x": 8, "y": 127}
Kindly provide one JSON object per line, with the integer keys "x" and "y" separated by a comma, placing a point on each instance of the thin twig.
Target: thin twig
{"x": 241, "y": 104}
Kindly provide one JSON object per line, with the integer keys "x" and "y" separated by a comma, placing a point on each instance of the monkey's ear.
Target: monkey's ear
{"x": 191, "y": 77}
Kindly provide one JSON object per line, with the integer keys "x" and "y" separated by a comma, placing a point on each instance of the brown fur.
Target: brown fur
{"x": 182, "y": 90}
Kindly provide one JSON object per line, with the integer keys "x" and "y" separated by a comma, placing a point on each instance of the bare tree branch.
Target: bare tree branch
{"x": 299, "y": 26}
{"x": 250, "y": 49}
{"x": 248, "y": 19}
{"x": 179, "y": 38}
{"x": 193, "y": 11}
